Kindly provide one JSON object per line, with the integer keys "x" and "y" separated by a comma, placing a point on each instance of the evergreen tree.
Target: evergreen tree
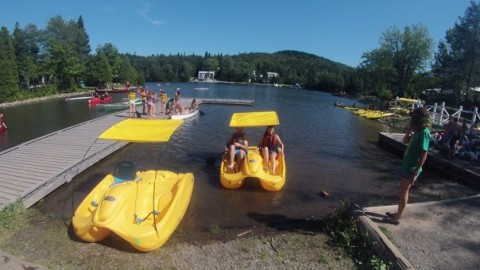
{"x": 458, "y": 57}
{"x": 8, "y": 70}
{"x": 102, "y": 72}
{"x": 25, "y": 42}
{"x": 127, "y": 73}
{"x": 113, "y": 58}
{"x": 82, "y": 42}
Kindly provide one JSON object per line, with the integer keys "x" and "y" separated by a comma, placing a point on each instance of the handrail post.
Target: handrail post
{"x": 459, "y": 116}
{"x": 442, "y": 112}
{"x": 434, "y": 115}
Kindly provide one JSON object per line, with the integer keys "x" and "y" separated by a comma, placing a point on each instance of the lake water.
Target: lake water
{"x": 326, "y": 147}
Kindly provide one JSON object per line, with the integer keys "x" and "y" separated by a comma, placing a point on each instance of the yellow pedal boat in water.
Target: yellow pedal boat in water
{"x": 142, "y": 207}
{"x": 252, "y": 166}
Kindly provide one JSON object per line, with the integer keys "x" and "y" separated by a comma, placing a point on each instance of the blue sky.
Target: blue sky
{"x": 340, "y": 30}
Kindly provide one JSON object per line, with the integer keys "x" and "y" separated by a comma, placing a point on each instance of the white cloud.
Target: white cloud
{"x": 143, "y": 12}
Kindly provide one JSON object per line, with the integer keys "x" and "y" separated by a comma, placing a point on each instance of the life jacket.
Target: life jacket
{"x": 163, "y": 97}
{"x": 269, "y": 141}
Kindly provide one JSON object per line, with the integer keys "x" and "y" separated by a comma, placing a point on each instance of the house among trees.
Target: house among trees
{"x": 272, "y": 75}
{"x": 206, "y": 76}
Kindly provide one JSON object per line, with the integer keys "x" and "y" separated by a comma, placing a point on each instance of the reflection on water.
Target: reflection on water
{"x": 326, "y": 147}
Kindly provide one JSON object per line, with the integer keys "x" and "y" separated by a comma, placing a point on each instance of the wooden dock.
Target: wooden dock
{"x": 34, "y": 169}
{"x": 464, "y": 171}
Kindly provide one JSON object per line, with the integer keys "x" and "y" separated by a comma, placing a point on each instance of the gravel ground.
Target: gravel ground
{"x": 436, "y": 235}
{"x": 45, "y": 244}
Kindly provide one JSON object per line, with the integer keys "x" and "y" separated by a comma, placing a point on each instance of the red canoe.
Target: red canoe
{"x": 99, "y": 100}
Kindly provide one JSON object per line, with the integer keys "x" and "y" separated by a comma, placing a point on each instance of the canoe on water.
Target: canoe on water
{"x": 99, "y": 100}
{"x": 183, "y": 116}
{"x": 142, "y": 207}
{"x": 376, "y": 114}
{"x": 77, "y": 98}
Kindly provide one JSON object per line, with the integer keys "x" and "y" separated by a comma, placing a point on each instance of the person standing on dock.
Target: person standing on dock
{"x": 131, "y": 104}
{"x": 418, "y": 139}
{"x": 143, "y": 94}
{"x": 178, "y": 105}
{"x": 163, "y": 101}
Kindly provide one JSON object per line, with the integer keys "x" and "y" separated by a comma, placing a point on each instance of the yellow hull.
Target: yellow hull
{"x": 252, "y": 167}
{"x": 144, "y": 212}
{"x": 377, "y": 115}
{"x": 372, "y": 114}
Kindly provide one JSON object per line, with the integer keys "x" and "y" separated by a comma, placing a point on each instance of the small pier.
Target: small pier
{"x": 464, "y": 171}
{"x": 220, "y": 101}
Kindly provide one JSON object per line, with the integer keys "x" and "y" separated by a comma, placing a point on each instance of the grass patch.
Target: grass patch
{"x": 342, "y": 228}
{"x": 215, "y": 230}
{"x": 386, "y": 232}
{"x": 12, "y": 215}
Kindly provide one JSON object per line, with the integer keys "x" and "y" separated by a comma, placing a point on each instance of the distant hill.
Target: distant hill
{"x": 293, "y": 67}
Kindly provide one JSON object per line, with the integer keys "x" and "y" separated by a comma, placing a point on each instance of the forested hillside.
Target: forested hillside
{"x": 308, "y": 70}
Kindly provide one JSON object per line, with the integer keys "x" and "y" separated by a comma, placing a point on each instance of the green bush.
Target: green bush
{"x": 11, "y": 215}
{"x": 344, "y": 232}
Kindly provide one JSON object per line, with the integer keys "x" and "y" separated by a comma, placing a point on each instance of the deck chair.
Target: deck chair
{"x": 124, "y": 171}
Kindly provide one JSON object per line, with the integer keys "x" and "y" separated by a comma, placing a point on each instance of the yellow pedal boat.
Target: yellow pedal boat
{"x": 142, "y": 207}
{"x": 252, "y": 166}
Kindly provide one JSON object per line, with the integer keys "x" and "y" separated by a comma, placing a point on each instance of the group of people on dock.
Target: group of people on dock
{"x": 458, "y": 140}
{"x": 270, "y": 146}
{"x": 150, "y": 98}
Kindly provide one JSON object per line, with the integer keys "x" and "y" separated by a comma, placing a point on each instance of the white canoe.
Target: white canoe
{"x": 78, "y": 98}
{"x": 183, "y": 116}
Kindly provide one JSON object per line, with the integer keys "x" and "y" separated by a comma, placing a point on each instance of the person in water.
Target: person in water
{"x": 237, "y": 147}
{"x": 271, "y": 146}
{"x": 418, "y": 139}
{"x": 2, "y": 123}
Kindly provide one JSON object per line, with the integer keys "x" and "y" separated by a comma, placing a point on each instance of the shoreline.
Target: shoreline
{"x": 40, "y": 99}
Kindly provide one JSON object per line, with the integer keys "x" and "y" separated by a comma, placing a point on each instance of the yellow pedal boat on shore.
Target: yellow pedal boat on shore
{"x": 142, "y": 207}
{"x": 252, "y": 166}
